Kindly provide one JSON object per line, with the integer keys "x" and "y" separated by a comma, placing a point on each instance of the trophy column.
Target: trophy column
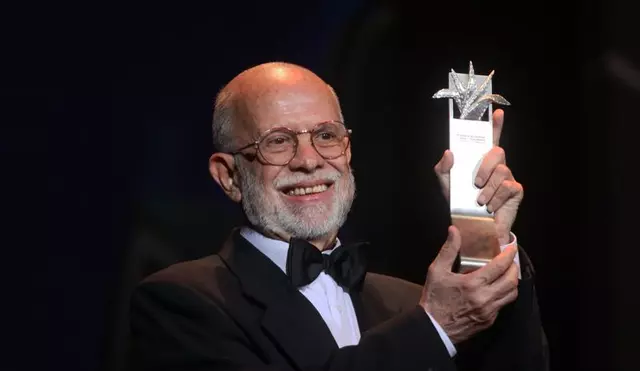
{"x": 470, "y": 138}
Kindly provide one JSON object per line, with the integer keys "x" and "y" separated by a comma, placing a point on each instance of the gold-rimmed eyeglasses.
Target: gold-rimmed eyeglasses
{"x": 278, "y": 145}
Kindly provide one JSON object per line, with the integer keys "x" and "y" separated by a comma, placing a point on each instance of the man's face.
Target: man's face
{"x": 310, "y": 197}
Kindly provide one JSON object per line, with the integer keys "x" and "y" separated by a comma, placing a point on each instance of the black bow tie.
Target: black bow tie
{"x": 345, "y": 264}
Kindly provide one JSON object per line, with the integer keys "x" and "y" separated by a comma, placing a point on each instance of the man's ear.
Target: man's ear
{"x": 222, "y": 168}
{"x": 348, "y": 154}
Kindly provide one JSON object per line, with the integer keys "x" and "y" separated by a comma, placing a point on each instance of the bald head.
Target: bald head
{"x": 269, "y": 94}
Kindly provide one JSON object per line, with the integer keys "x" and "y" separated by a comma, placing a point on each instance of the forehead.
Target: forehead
{"x": 299, "y": 105}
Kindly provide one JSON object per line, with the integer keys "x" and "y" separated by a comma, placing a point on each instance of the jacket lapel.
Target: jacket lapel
{"x": 364, "y": 322}
{"x": 369, "y": 306}
{"x": 289, "y": 319}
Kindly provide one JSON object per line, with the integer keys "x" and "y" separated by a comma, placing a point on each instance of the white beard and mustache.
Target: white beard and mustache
{"x": 308, "y": 222}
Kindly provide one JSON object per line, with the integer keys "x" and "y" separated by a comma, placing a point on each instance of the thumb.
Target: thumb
{"x": 449, "y": 251}
{"x": 442, "y": 170}
{"x": 498, "y": 122}
{"x": 443, "y": 167}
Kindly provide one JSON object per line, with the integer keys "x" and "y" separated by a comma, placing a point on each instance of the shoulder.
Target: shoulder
{"x": 385, "y": 282}
{"x": 181, "y": 298}
{"x": 207, "y": 276}
{"x": 186, "y": 271}
{"x": 394, "y": 292}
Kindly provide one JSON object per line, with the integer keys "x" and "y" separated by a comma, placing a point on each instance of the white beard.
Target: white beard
{"x": 307, "y": 222}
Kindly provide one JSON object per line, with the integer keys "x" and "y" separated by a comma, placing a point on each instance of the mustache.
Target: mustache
{"x": 293, "y": 179}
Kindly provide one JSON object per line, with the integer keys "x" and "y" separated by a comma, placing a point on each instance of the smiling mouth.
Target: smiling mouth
{"x": 303, "y": 191}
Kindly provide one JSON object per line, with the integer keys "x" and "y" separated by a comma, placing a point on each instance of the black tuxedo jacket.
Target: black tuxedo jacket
{"x": 236, "y": 310}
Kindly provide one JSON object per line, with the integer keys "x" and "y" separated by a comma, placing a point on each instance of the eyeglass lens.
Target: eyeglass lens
{"x": 280, "y": 145}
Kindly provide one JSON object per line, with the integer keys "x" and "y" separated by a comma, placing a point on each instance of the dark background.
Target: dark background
{"x": 124, "y": 95}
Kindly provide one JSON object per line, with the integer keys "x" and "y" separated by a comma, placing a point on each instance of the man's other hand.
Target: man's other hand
{"x": 465, "y": 304}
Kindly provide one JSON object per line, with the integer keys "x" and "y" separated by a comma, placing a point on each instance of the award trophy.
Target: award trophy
{"x": 470, "y": 138}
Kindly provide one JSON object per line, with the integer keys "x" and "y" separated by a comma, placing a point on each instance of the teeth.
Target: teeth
{"x": 308, "y": 190}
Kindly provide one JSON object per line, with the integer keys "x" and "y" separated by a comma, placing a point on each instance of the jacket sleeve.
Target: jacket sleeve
{"x": 516, "y": 341}
{"x": 175, "y": 328}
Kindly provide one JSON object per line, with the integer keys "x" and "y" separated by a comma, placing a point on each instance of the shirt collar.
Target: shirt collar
{"x": 276, "y": 250}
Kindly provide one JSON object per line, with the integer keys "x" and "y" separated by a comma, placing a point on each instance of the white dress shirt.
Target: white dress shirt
{"x": 330, "y": 300}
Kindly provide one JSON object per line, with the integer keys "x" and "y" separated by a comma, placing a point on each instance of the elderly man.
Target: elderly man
{"x": 284, "y": 294}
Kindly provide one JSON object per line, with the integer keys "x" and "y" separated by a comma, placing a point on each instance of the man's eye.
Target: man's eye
{"x": 279, "y": 141}
{"x": 325, "y": 137}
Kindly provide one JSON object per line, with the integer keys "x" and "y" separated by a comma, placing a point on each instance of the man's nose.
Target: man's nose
{"x": 306, "y": 157}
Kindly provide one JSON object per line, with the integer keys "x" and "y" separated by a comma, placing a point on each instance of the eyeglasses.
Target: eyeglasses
{"x": 278, "y": 146}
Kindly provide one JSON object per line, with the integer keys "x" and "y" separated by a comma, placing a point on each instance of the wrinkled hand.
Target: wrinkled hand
{"x": 465, "y": 304}
{"x": 500, "y": 191}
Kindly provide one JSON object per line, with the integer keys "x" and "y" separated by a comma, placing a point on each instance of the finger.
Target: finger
{"x": 443, "y": 168}
{"x": 497, "y": 177}
{"x": 499, "y": 291}
{"x": 449, "y": 251}
{"x": 498, "y": 122}
{"x": 509, "y": 189}
{"x": 495, "y": 268}
{"x": 509, "y": 298}
{"x": 485, "y": 318}
{"x": 491, "y": 160}
{"x": 505, "y": 283}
